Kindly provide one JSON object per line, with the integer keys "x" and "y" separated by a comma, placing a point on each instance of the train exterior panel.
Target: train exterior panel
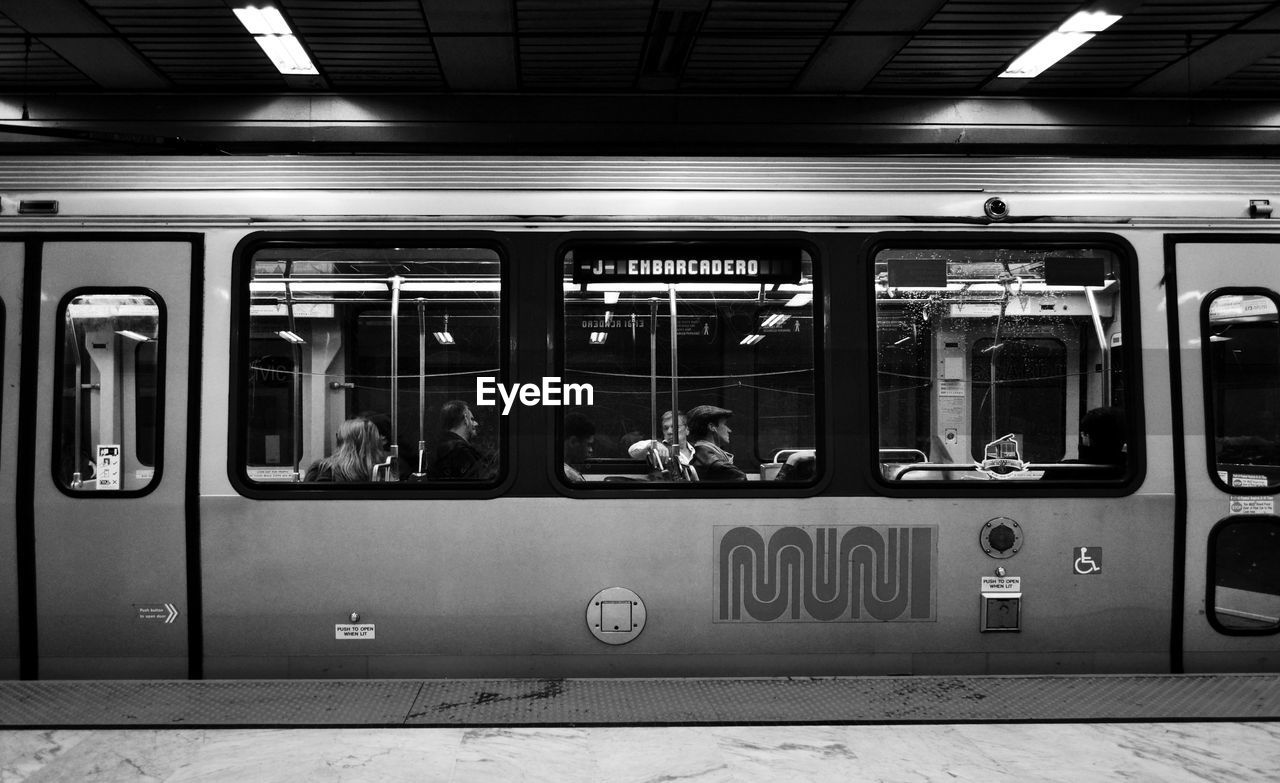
{"x": 914, "y": 373}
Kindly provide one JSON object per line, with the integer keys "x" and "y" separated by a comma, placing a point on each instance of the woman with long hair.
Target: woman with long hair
{"x": 359, "y": 451}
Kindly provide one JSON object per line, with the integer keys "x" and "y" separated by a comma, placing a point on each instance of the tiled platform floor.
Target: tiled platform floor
{"x": 989, "y": 729}
{"x": 637, "y": 702}
{"x": 967, "y": 753}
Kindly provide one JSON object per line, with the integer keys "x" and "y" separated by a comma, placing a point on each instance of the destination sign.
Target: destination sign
{"x": 685, "y": 263}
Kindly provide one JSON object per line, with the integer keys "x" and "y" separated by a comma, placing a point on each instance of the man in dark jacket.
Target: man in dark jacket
{"x": 455, "y": 457}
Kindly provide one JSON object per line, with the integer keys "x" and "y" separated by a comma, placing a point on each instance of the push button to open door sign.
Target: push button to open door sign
{"x": 1086, "y": 560}
{"x": 161, "y": 613}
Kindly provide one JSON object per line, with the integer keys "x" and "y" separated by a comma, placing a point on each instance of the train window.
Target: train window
{"x": 1000, "y": 364}
{"x": 1242, "y": 339}
{"x": 358, "y": 359}
{"x": 108, "y": 414}
{"x": 722, "y": 333}
{"x": 1244, "y": 581}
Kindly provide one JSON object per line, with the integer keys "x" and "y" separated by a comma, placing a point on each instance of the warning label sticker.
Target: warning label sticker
{"x": 1248, "y": 480}
{"x": 1251, "y": 505}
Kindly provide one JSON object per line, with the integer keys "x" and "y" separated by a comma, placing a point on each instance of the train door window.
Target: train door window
{"x": 1032, "y": 395}
{"x": 353, "y": 357}
{"x": 722, "y": 333}
{"x": 1242, "y": 342}
{"x": 999, "y": 364}
{"x": 108, "y": 417}
{"x": 1244, "y": 583}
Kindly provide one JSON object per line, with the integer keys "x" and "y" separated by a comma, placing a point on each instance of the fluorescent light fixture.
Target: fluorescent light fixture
{"x": 751, "y": 339}
{"x": 108, "y": 309}
{"x": 1069, "y": 36}
{"x": 372, "y": 286}
{"x": 315, "y": 286}
{"x": 598, "y": 338}
{"x": 468, "y": 285}
{"x": 799, "y": 300}
{"x": 286, "y": 54}
{"x": 775, "y": 321}
{"x": 269, "y": 29}
{"x": 263, "y": 21}
{"x": 290, "y": 336}
{"x": 611, "y": 297}
{"x": 132, "y": 335}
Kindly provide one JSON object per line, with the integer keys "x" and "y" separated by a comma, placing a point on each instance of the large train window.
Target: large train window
{"x": 1244, "y": 575}
{"x": 108, "y": 408}
{"x": 721, "y": 333}
{"x": 360, "y": 365}
{"x": 1242, "y": 341}
{"x": 1000, "y": 364}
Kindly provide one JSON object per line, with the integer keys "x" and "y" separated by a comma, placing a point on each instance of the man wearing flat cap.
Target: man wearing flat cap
{"x": 709, "y": 430}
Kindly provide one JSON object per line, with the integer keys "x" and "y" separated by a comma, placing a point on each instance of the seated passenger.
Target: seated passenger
{"x": 579, "y": 443}
{"x": 401, "y": 467}
{"x": 359, "y": 451}
{"x": 455, "y": 457}
{"x": 709, "y": 429}
{"x": 1102, "y": 448}
{"x": 640, "y": 449}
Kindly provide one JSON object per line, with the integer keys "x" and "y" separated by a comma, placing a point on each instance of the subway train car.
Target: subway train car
{"x": 383, "y": 417}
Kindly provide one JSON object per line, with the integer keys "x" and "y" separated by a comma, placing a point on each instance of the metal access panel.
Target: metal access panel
{"x": 109, "y": 572}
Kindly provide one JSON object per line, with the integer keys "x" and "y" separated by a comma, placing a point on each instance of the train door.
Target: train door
{"x": 107, "y": 574}
{"x": 10, "y": 289}
{"x": 1009, "y": 420}
{"x": 1227, "y": 296}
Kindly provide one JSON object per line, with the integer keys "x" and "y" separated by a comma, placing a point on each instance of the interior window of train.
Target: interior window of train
{"x": 107, "y": 422}
{"x": 1244, "y": 584}
{"x": 1242, "y": 339}
{"x": 722, "y": 333}
{"x": 362, "y": 366}
{"x": 1000, "y": 363}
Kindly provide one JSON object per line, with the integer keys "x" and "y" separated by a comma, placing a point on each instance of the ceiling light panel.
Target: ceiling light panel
{"x": 1070, "y": 35}
{"x": 269, "y": 28}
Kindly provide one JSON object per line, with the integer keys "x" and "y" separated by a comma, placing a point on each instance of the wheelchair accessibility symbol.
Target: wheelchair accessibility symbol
{"x": 1087, "y": 560}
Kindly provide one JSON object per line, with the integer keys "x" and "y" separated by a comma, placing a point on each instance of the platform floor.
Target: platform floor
{"x": 637, "y": 702}
{"x": 1070, "y": 728}
{"x": 976, "y": 753}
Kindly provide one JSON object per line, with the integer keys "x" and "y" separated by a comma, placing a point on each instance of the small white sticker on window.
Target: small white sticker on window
{"x": 1252, "y": 505}
{"x": 1248, "y": 480}
{"x": 272, "y": 474}
{"x": 108, "y": 470}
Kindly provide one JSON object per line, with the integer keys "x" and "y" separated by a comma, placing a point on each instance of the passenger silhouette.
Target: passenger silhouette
{"x": 359, "y": 452}
{"x": 1102, "y": 453}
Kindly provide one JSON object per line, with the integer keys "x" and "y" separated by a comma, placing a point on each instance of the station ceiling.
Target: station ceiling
{"x": 827, "y": 73}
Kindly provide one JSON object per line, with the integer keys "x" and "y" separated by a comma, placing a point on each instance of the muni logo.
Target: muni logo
{"x": 847, "y": 573}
